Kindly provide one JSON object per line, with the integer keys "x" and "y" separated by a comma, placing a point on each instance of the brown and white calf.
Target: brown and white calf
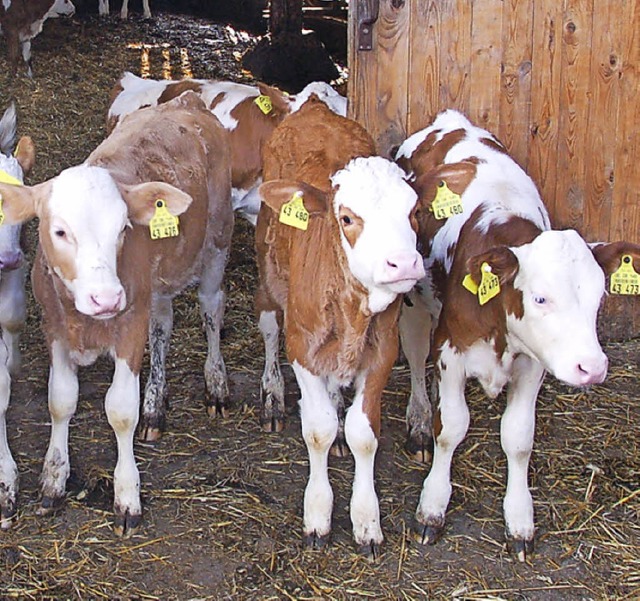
{"x": 549, "y": 286}
{"x": 250, "y": 114}
{"x": 337, "y": 285}
{"x": 15, "y": 163}
{"x": 22, "y": 20}
{"x": 104, "y": 273}
{"x": 103, "y": 8}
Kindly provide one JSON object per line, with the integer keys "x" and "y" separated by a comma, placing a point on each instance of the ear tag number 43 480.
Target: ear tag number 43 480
{"x": 294, "y": 213}
{"x": 163, "y": 224}
{"x": 446, "y": 203}
{"x": 625, "y": 280}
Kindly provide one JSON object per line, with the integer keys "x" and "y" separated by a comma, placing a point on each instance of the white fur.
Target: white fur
{"x": 103, "y": 8}
{"x": 335, "y": 101}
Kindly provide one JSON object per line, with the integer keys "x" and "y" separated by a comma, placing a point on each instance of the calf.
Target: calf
{"x": 336, "y": 288}
{"x": 111, "y": 257}
{"x": 15, "y": 162}
{"x": 103, "y": 8}
{"x": 249, "y": 113}
{"x": 507, "y": 299}
{"x": 22, "y": 20}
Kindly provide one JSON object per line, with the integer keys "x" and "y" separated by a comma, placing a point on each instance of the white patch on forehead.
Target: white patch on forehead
{"x": 372, "y": 183}
{"x": 234, "y": 94}
{"x": 336, "y": 102}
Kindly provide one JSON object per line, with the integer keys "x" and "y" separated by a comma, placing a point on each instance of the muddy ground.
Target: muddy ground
{"x": 222, "y": 500}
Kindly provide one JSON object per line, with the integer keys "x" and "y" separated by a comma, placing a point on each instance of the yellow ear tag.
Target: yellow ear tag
{"x": 446, "y": 203}
{"x": 163, "y": 224}
{"x": 5, "y": 178}
{"x": 264, "y": 102}
{"x": 469, "y": 284}
{"x": 489, "y": 285}
{"x": 294, "y": 214}
{"x": 625, "y": 280}
{"x": 1, "y": 211}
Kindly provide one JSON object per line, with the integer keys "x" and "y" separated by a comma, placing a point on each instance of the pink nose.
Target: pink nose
{"x": 593, "y": 370}
{"x": 107, "y": 301}
{"x": 10, "y": 260}
{"x": 404, "y": 266}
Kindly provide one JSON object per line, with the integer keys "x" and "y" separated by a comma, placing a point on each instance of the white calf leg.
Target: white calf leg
{"x": 212, "y": 300}
{"x": 365, "y": 512}
{"x": 155, "y": 393}
{"x": 13, "y": 312}
{"x": 415, "y": 335}
{"x": 122, "y": 404}
{"x": 454, "y": 420}
{"x": 124, "y": 11}
{"x": 272, "y": 382}
{"x": 319, "y": 427}
{"x": 26, "y": 56}
{"x": 516, "y": 434}
{"x": 103, "y": 7}
{"x": 8, "y": 468}
{"x": 63, "y": 400}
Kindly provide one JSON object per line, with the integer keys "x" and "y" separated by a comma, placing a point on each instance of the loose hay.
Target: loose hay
{"x": 222, "y": 500}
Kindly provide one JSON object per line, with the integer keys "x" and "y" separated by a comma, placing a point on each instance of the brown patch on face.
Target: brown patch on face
{"x": 350, "y": 224}
{"x": 174, "y": 90}
{"x": 61, "y": 259}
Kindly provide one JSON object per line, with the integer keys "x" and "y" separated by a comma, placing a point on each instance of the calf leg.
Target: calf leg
{"x": 272, "y": 382}
{"x": 8, "y": 468}
{"x": 212, "y": 299}
{"x": 153, "y": 421}
{"x": 319, "y": 427}
{"x": 516, "y": 435}
{"x": 122, "y": 404}
{"x": 63, "y": 400}
{"x": 13, "y": 311}
{"x": 26, "y": 56}
{"x": 451, "y": 424}
{"x": 146, "y": 10}
{"x": 415, "y": 335}
{"x": 363, "y": 442}
{"x": 103, "y": 7}
{"x": 339, "y": 447}
{"x": 124, "y": 11}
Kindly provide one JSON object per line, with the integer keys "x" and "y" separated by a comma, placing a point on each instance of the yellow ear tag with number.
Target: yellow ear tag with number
{"x": 489, "y": 284}
{"x": 163, "y": 224}
{"x": 625, "y": 280}
{"x": 5, "y": 178}
{"x": 264, "y": 103}
{"x": 469, "y": 284}
{"x": 446, "y": 203}
{"x": 293, "y": 213}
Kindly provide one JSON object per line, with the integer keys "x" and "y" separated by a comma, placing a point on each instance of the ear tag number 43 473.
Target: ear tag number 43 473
{"x": 446, "y": 203}
{"x": 294, "y": 213}
{"x": 489, "y": 284}
{"x": 264, "y": 103}
{"x": 163, "y": 224}
{"x": 625, "y": 280}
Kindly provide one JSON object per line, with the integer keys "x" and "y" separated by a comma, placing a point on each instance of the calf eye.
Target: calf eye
{"x": 539, "y": 300}
{"x": 347, "y": 220}
{"x": 60, "y": 233}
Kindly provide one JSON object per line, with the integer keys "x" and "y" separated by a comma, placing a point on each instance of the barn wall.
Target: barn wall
{"x": 557, "y": 80}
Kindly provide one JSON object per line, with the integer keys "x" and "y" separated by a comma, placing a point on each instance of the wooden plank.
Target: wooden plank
{"x": 517, "y": 32}
{"x": 486, "y": 57}
{"x": 545, "y": 85}
{"x": 424, "y": 65}
{"x": 577, "y": 29}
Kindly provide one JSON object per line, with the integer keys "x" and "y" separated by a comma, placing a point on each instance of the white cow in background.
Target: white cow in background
{"x": 103, "y": 8}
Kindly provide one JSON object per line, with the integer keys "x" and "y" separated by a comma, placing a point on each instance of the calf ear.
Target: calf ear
{"x": 279, "y": 100}
{"x": 502, "y": 261}
{"x": 277, "y": 192}
{"x": 20, "y": 203}
{"x": 141, "y": 200}
{"x": 457, "y": 176}
{"x": 609, "y": 255}
{"x": 26, "y": 154}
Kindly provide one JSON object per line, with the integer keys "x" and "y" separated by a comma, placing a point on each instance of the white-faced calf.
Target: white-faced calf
{"x": 147, "y": 214}
{"x": 507, "y": 298}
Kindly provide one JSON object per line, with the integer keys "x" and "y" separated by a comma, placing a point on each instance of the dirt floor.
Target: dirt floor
{"x": 222, "y": 500}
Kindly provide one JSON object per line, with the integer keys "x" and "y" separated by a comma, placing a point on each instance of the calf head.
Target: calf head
{"x": 373, "y": 207}
{"x": 83, "y": 215}
{"x": 325, "y": 93}
{"x": 554, "y": 287}
{"x": 61, "y": 8}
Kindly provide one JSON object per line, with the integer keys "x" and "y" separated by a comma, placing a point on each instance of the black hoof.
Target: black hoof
{"x": 370, "y": 550}
{"x": 339, "y": 447}
{"x": 49, "y": 505}
{"x": 427, "y": 534}
{"x": 126, "y": 524}
{"x": 217, "y": 407}
{"x": 152, "y": 428}
{"x": 314, "y": 541}
{"x": 520, "y": 547}
{"x": 419, "y": 446}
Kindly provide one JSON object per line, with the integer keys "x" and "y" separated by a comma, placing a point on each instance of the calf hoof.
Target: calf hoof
{"x": 315, "y": 541}
{"x": 49, "y": 505}
{"x": 271, "y": 423}
{"x": 217, "y": 407}
{"x": 7, "y": 514}
{"x": 151, "y": 428}
{"x": 419, "y": 446}
{"x": 150, "y": 434}
{"x": 427, "y": 534}
{"x": 370, "y": 550}
{"x": 126, "y": 524}
{"x": 339, "y": 447}
{"x": 519, "y": 547}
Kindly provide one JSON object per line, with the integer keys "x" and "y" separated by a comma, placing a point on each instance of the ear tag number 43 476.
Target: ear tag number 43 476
{"x": 294, "y": 213}
{"x": 446, "y": 203}
{"x": 625, "y": 280}
{"x": 163, "y": 224}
